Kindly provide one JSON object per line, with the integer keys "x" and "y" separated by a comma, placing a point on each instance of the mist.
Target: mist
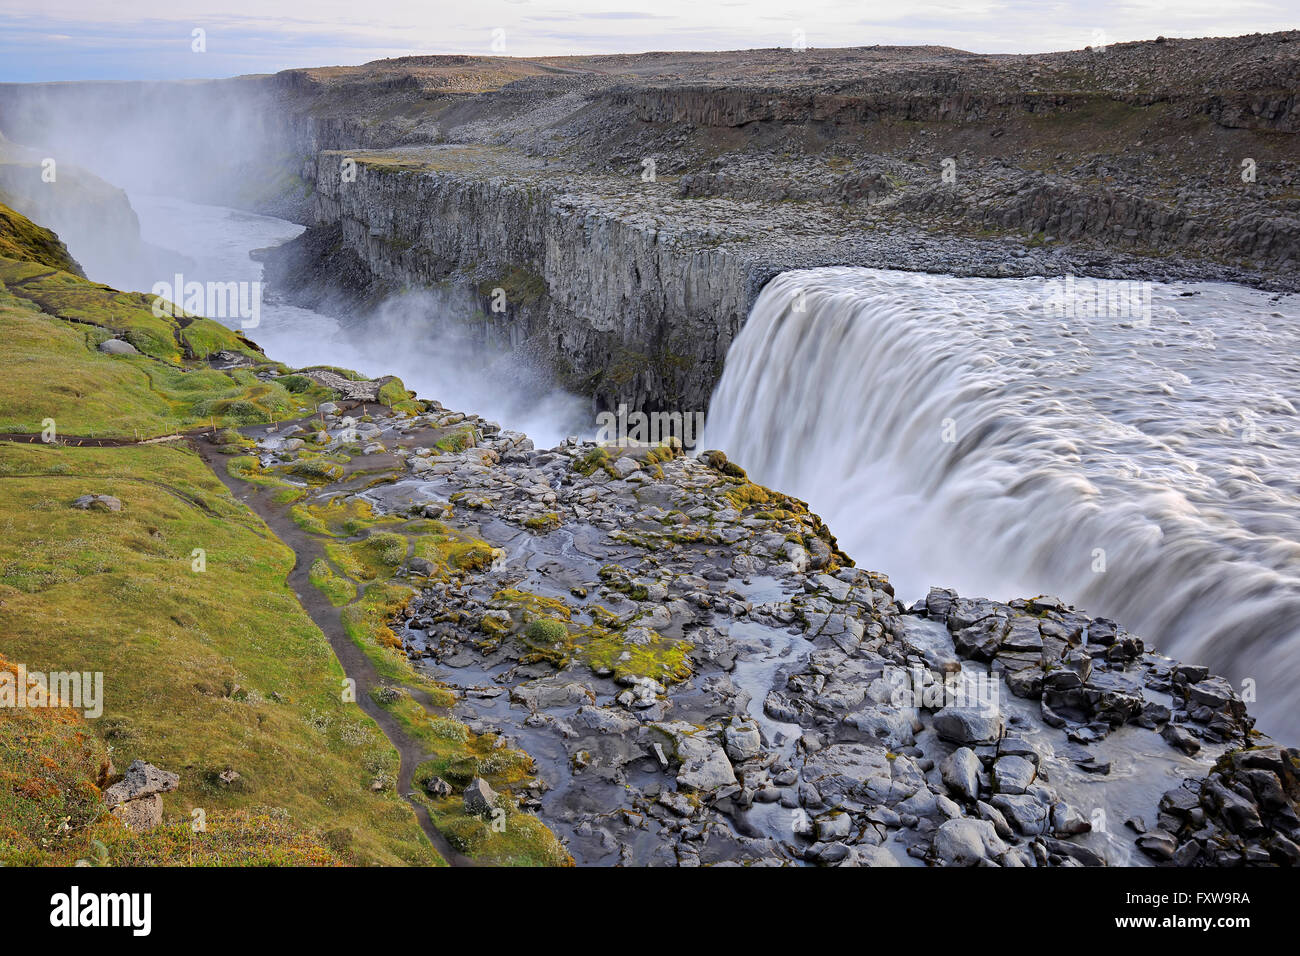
{"x": 151, "y": 180}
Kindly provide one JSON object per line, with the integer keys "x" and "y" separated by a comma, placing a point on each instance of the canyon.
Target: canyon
{"x": 631, "y": 208}
{"x": 648, "y": 657}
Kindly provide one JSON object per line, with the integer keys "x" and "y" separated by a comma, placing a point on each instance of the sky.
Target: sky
{"x": 44, "y": 40}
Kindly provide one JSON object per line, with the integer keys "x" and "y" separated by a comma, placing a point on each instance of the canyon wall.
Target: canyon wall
{"x": 622, "y": 312}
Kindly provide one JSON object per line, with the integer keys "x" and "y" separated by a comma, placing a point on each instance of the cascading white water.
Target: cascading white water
{"x": 962, "y": 433}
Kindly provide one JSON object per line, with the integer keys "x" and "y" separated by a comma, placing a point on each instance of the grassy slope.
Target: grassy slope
{"x": 193, "y": 681}
{"x": 203, "y": 671}
{"x": 22, "y": 239}
{"x": 51, "y": 811}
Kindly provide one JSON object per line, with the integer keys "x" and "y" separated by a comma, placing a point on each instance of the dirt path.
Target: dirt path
{"x": 328, "y": 618}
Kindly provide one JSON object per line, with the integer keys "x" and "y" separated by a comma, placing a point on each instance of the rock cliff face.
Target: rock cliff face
{"x": 625, "y": 312}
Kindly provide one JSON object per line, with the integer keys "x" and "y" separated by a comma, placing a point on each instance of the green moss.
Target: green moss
{"x": 366, "y": 622}
{"x": 340, "y": 517}
{"x": 522, "y": 287}
{"x": 587, "y": 463}
{"x": 457, "y": 441}
{"x": 454, "y": 553}
{"x": 338, "y": 589}
{"x": 663, "y": 659}
{"x": 547, "y": 522}
{"x": 395, "y": 395}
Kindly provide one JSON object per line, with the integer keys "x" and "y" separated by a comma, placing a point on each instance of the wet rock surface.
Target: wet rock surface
{"x": 701, "y": 677}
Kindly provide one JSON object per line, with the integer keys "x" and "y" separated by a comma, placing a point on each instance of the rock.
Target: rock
{"x": 422, "y": 566}
{"x": 1158, "y": 844}
{"x": 1240, "y": 814}
{"x": 605, "y": 720}
{"x": 117, "y": 347}
{"x": 554, "y": 691}
{"x": 1024, "y": 812}
{"x": 1012, "y": 775}
{"x": 704, "y": 766}
{"x": 743, "y": 740}
{"x": 866, "y": 855}
{"x": 142, "y": 814}
{"x": 960, "y": 772}
{"x": 625, "y": 466}
{"x": 638, "y": 636}
{"x": 962, "y": 725}
{"x": 437, "y": 787}
{"x": 480, "y": 799}
{"x": 141, "y": 780}
{"x": 967, "y": 842}
{"x": 1180, "y": 738}
{"x": 98, "y": 503}
{"x": 835, "y": 826}
{"x": 829, "y": 854}
{"x": 995, "y": 817}
{"x": 136, "y": 799}
{"x": 1213, "y": 692}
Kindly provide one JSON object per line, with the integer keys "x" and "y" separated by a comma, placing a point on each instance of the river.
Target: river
{"x": 408, "y": 336}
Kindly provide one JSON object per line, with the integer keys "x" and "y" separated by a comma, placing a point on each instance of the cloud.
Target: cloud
{"x": 84, "y": 39}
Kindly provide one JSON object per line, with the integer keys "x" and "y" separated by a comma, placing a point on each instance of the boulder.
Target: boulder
{"x": 967, "y": 842}
{"x": 437, "y": 787}
{"x": 141, "y": 780}
{"x": 136, "y": 799}
{"x": 964, "y": 725}
{"x": 480, "y": 799}
{"x": 743, "y": 740}
{"x": 960, "y": 772}
{"x": 98, "y": 503}
{"x": 1012, "y": 774}
{"x": 117, "y": 347}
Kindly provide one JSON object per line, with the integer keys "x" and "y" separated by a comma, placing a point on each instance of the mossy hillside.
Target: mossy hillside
{"x": 340, "y": 517}
{"x": 367, "y": 623}
{"x": 249, "y": 468}
{"x": 396, "y": 396}
{"x": 22, "y": 239}
{"x": 203, "y": 670}
{"x": 54, "y": 370}
{"x": 66, "y": 296}
{"x": 336, "y": 587}
{"x": 516, "y": 839}
{"x": 508, "y": 837}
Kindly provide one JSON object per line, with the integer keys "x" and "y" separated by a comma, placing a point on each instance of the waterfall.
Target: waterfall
{"x": 972, "y": 433}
